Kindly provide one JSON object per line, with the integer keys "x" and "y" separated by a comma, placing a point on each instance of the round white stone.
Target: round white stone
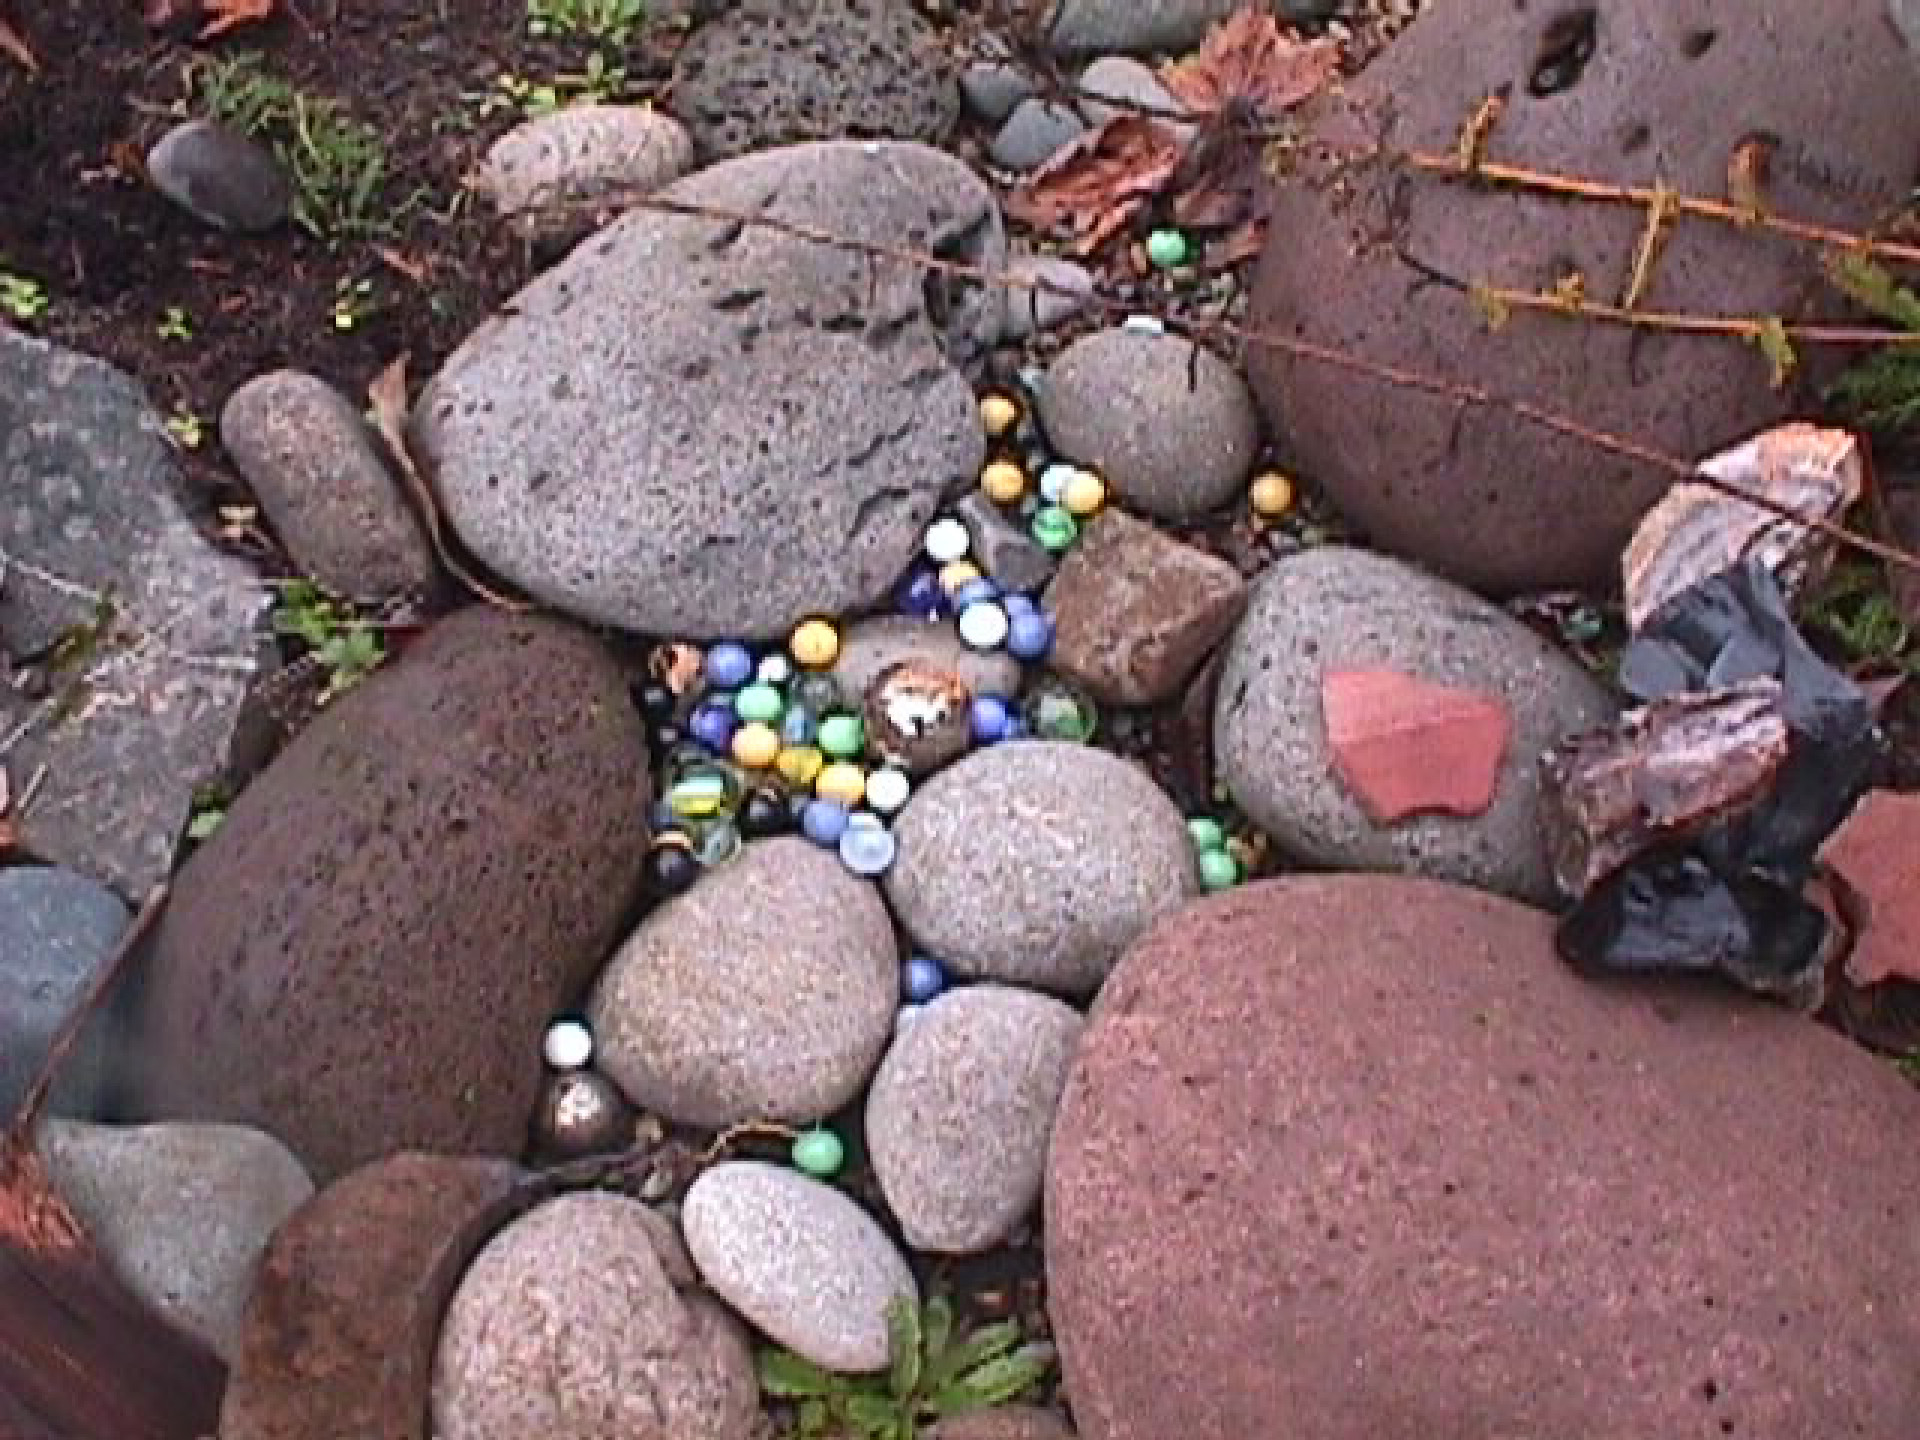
{"x": 887, "y": 789}
{"x": 947, "y": 541}
{"x": 568, "y": 1046}
{"x": 1144, "y": 324}
{"x": 983, "y": 625}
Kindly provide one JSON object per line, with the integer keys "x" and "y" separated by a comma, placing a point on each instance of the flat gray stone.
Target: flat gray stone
{"x": 317, "y": 470}
{"x": 783, "y": 941}
{"x": 220, "y": 177}
{"x": 871, "y": 646}
{"x": 1006, "y": 552}
{"x": 150, "y": 707}
{"x": 1169, "y": 424}
{"x": 57, "y": 929}
{"x": 1090, "y": 27}
{"x": 772, "y": 72}
{"x": 1061, "y": 290}
{"x": 991, "y": 86}
{"x": 1336, "y": 608}
{"x": 1036, "y": 130}
{"x": 581, "y": 1320}
{"x": 960, "y": 1112}
{"x": 1124, "y": 79}
{"x": 577, "y": 155}
{"x": 798, "y": 1259}
{"x": 1035, "y": 862}
{"x": 181, "y": 1212}
{"x": 760, "y": 440}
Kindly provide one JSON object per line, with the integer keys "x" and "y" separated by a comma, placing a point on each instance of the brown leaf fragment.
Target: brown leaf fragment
{"x": 1100, "y": 182}
{"x": 224, "y": 15}
{"x": 14, "y": 45}
{"x": 1246, "y": 60}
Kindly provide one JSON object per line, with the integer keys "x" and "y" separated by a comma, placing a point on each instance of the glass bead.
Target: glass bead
{"x": 955, "y": 575}
{"x": 704, "y": 793}
{"x": 1270, "y": 495}
{"x": 670, "y": 870}
{"x": 728, "y": 665}
{"x": 842, "y": 736}
{"x": 568, "y": 1045}
{"x": 1054, "y": 529}
{"x": 1167, "y": 249}
{"x": 799, "y": 726}
{"x": 713, "y": 723}
{"x": 1086, "y": 492}
{"x": 800, "y": 765}
{"x": 867, "y": 850}
{"x": 922, "y": 978}
{"x": 983, "y": 625}
{"x": 819, "y": 1153}
{"x": 1207, "y": 833}
{"x": 1004, "y": 482}
{"x": 998, "y": 414}
{"x": 716, "y": 841}
{"x": 815, "y": 644}
{"x": 1055, "y": 479}
{"x": 989, "y": 715}
{"x": 764, "y": 813}
{"x": 819, "y": 693}
{"x": 841, "y": 782}
{"x": 1030, "y": 635}
{"x": 1057, "y": 710}
{"x": 947, "y": 540}
{"x": 656, "y": 702}
{"x": 1218, "y": 870}
{"x": 756, "y": 745}
{"x": 1015, "y": 603}
{"x": 775, "y": 670}
{"x": 759, "y": 702}
{"x": 824, "y": 822}
{"x": 973, "y": 592}
{"x": 919, "y": 594}
{"x": 888, "y": 789}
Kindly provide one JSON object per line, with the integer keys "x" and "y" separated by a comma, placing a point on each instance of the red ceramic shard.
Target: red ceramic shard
{"x": 1876, "y": 852}
{"x": 1408, "y": 746}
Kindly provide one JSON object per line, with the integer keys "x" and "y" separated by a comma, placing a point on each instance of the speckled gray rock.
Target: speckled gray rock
{"x": 90, "y": 514}
{"x": 873, "y": 645}
{"x": 1088, "y": 27}
{"x": 1060, "y": 290}
{"x": 1003, "y": 550}
{"x": 576, "y": 155}
{"x": 57, "y": 929}
{"x": 181, "y": 1212}
{"x": 1034, "y": 132}
{"x": 1079, "y": 851}
{"x": 1170, "y": 425}
{"x": 1337, "y": 608}
{"x": 770, "y": 72}
{"x": 761, "y": 440}
{"x": 783, "y": 941}
{"x": 798, "y": 1259}
{"x": 581, "y": 1320}
{"x": 220, "y": 177}
{"x": 960, "y": 1111}
{"x": 1122, "y": 78}
{"x": 315, "y": 467}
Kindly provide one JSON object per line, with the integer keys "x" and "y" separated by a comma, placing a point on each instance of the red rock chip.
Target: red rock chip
{"x": 1407, "y": 746}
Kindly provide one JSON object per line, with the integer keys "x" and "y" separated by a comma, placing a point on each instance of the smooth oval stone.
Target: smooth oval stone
{"x": 220, "y": 176}
{"x": 57, "y": 928}
{"x": 764, "y": 993}
{"x": 1036, "y": 862}
{"x": 1669, "y": 94}
{"x": 798, "y": 1259}
{"x": 365, "y": 955}
{"x": 875, "y": 645}
{"x": 1168, "y": 424}
{"x": 1081, "y": 27}
{"x": 1367, "y": 1145}
{"x": 181, "y": 1212}
{"x": 312, "y": 463}
{"x": 581, "y": 1320}
{"x": 1109, "y": 83}
{"x": 960, "y": 1111}
{"x": 577, "y": 155}
{"x": 1036, "y": 130}
{"x": 1335, "y": 608}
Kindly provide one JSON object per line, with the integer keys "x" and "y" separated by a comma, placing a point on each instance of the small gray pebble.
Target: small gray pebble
{"x": 220, "y": 177}
{"x": 1034, "y": 133}
{"x": 991, "y": 88}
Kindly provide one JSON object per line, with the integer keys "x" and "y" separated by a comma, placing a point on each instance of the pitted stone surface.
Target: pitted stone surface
{"x": 760, "y": 440}
{"x": 771, "y": 72}
{"x": 363, "y": 957}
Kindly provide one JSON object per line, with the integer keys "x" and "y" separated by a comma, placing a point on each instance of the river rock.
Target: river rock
{"x": 1136, "y": 611}
{"x": 873, "y": 646}
{"x": 1087, "y": 27}
{"x": 181, "y": 1212}
{"x": 339, "y": 1335}
{"x": 1052, "y": 292}
{"x": 1036, "y": 130}
{"x": 1079, "y": 851}
{"x": 1121, "y": 85}
{"x": 762, "y": 440}
{"x": 1483, "y": 494}
{"x": 56, "y": 930}
{"x": 958, "y": 1117}
{"x": 769, "y": 72}
{"x": 582, "y": 1320}
{"x": 220, "y": 177}
{"x": 798, "y": 1259}
{"x": 315, "y": 467}
{"x": 1168, "y": 423}
{"x": 1334, "y": 608}
{"x": 165, "y": 637}
{"x": 577, "y": 155}
{"x": 1367, "y": 1145}
{"x": 785, "y": 942}
{"x": 365, "y": 955}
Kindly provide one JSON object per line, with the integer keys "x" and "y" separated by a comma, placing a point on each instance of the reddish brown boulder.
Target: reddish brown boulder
{"x": 1136, "y": 611}
{"x": 1356, "y": 1158}
{"x": 340, "y": 1332}
{"x": 363, "y": 958}
{"x": 1377, "y": 260}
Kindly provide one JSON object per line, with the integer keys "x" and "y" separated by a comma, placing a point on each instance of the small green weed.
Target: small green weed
{"x": 23, "y": 297}
{"x": 607, "y": 22}
{"x": 1881, "y": 392}
{"x": 354, "y": 300}
{"x": 1855, "y": 607}
{"x": 597, "y": 80}
{"x": 932, "y": 1376}
{"x": 337, "y": 164}
{"x": 188, "y": 430}
{"x": 346, "y": 645}
{"x": 175, "y": 324}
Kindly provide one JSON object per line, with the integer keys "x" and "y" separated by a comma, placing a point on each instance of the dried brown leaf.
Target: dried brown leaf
{"x": 224, "y": 15}
{"x": 1247, "y": 62}
{"x": 1097, "y": 184}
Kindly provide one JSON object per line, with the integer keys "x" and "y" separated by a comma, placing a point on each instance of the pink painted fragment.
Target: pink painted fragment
{"x": 1408, "y": 746}
{"x": 1876, "y": 852}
